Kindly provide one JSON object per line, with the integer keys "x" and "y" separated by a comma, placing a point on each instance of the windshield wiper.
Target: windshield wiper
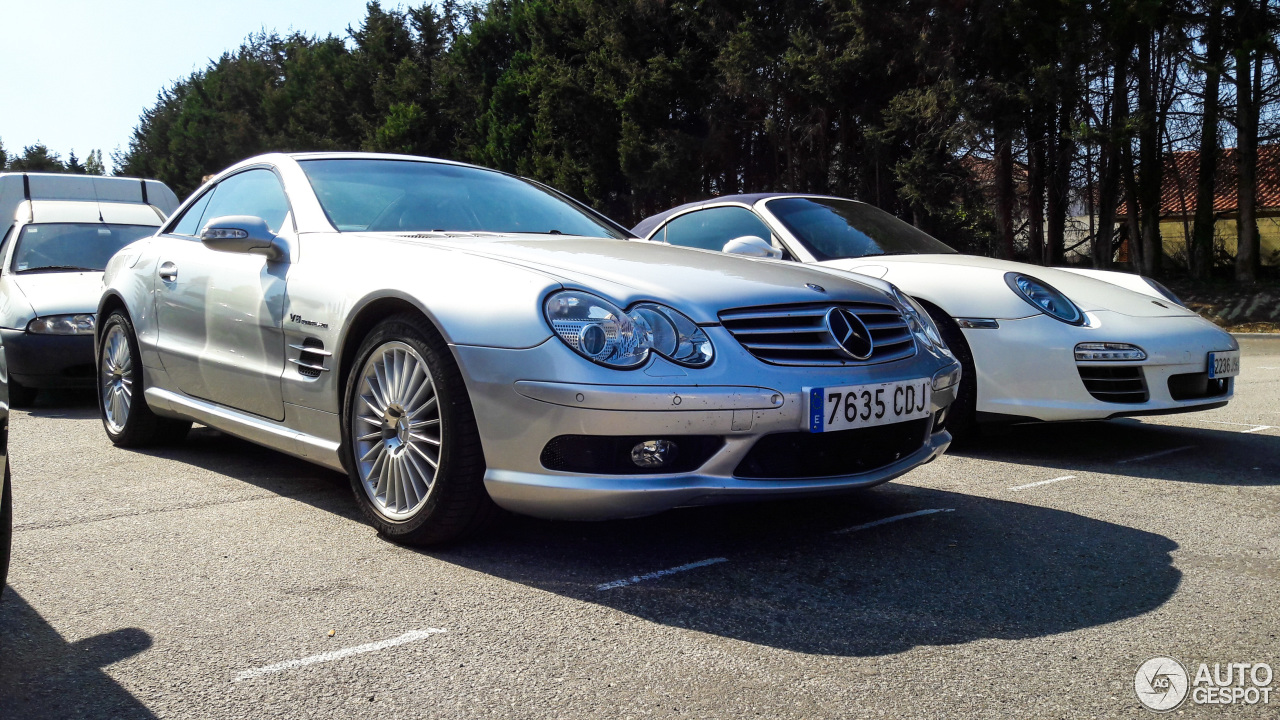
{"x": 60, "y": 268}
{"x": 542, "y": 232}
{"x": 896, "y": 252}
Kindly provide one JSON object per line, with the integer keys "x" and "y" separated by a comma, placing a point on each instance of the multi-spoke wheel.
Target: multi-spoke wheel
{"x": 116, "y": 382}
{"x": 412, "y": 448}
{"x": 125, "y": 414}
{"x": 397, "y": 430}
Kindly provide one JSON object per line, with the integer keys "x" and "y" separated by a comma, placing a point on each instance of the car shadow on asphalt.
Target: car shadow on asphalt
{"x": 70, "y": 404}
{"x": 979, "y": 569}
{"x": 44, "y": 676}
{"x": 265, "y": 468}
{"x": 1134, "y": 447}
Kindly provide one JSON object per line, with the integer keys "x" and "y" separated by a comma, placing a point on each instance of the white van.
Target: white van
{"x": 59, "y": 231}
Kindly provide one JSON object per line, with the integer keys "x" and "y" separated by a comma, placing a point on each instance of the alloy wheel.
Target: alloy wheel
{"x": 397, "y": 431}
{"x": 117, "y": 379}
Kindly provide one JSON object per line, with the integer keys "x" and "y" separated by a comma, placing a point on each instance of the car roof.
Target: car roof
{"x": 645, "y": 226}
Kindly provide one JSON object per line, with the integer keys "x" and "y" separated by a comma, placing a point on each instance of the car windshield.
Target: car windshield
{"x": 408, "y": 196}
{"x": 69, "y": 247}
{"x": 831, "y": 229}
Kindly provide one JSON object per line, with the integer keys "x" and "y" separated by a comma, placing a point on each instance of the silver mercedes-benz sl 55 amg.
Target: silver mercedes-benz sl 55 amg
{"x": 454, "y": 337}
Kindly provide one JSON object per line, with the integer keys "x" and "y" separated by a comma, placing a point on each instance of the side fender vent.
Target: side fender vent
{"x": 312, "y": 358}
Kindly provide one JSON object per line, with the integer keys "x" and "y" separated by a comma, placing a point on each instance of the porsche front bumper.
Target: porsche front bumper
{"x": 1026, "y": 369}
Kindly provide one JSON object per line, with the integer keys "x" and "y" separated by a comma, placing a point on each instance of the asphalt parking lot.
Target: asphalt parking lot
{"x": 1031, "y": 575}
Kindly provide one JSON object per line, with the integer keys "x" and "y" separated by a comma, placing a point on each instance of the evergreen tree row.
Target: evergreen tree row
{"x": 985, "y": 122}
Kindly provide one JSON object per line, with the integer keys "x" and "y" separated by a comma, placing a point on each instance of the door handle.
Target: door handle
{"x": 168, "y": 271}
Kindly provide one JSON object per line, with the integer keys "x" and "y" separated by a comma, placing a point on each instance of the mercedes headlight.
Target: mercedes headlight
{"x": 82, "y": 324}
{"x": 1045, "y": 298}
{"x": 922, "y": 326}
{"x": 605, "y": 334}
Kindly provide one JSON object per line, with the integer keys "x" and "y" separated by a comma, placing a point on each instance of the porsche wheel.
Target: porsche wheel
{"x": 411, "y": 446}
{"x": 126, "y": 416}
{"x": 962, "y": 417}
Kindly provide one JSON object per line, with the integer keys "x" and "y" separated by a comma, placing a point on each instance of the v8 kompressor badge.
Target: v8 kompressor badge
{"x": 298, "y": 319}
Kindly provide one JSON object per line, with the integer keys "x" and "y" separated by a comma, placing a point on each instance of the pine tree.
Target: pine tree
{"x": 93, "y": 163}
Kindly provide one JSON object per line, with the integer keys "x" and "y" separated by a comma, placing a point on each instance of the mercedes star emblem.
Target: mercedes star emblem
{"x": 849, "y": 333}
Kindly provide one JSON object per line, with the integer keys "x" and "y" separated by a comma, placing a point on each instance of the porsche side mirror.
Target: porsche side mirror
{"x": 752, "y": 246}
{"x": 243, "y": 234}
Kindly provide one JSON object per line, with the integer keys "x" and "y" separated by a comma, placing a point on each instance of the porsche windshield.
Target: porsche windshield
{"x": 831, "y": 229}
{"x": 71, "y": 247}
{"x": 406, "y": 196}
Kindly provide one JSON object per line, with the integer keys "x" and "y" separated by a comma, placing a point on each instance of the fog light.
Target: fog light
{"x": 654, "y": 453}
{"x": 1094, "y": 351}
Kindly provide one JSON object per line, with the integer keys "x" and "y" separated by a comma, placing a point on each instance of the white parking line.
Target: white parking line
{"x": 895, "y": 518}
{"x": 658, "y": 573}
{"x": 1042, "y": 482}
{"x": 1162, "y": 453}
{"x": 1251, "y": 426}
{"x": 339, "y": 654}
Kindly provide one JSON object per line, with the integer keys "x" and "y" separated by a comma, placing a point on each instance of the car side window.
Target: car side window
{"x": 254, "y": 192}
{"x": 189, "y": 223}
{"x": 710, "y": 229}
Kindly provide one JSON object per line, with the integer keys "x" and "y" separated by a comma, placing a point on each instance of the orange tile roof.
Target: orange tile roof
{"x": 1178, "y": 187}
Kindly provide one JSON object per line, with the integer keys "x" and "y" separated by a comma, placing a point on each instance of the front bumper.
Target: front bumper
{"x": 517, "y": 418}
{"x": 1026, "y": 369}
{"x": 49, "y": 361}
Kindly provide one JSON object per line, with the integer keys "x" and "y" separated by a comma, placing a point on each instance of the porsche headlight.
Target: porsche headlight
{"x": 81, "y": 324}
{"x": 922, "y": 326}
{"x": 1044, "y": 298}
{"x": 603, "y": 333}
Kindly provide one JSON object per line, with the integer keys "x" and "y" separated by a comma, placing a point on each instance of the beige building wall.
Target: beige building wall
{"x": 1176, "y": 237}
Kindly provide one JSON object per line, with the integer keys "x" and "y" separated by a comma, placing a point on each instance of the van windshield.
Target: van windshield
{"x": 71, "y": 247}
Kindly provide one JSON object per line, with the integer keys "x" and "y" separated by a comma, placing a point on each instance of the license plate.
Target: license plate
{"x": 857, "y": 406}
{"x": 1224, "y": 364}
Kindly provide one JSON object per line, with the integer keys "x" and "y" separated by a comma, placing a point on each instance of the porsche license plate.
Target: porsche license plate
{"x": 857, "y": 406}
{"x": 1224, "y": 364}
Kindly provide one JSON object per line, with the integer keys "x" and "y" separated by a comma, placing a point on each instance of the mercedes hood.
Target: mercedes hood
{"x": 697, "y": 282}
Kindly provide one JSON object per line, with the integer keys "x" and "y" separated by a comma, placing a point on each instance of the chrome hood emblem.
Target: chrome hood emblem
{"x": 849, "y": 333}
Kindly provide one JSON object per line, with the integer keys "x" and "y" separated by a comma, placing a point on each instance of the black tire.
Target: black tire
{"x": 962, "y": 419}
{"x": 6, "y": 529}
{"x": 21, "y": 396}
{"x": 141, "y": 426}
{"x": 456, "y": 504}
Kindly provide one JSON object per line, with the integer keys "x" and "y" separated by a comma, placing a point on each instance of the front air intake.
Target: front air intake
{"x": 1115, "y": 384}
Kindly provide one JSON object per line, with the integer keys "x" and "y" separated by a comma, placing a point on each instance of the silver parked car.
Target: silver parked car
{"x": 453, "y": 337}
{"x": 59, "y": 231}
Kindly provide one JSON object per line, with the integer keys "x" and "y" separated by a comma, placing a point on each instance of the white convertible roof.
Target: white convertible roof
{"x": 17, "y": 188}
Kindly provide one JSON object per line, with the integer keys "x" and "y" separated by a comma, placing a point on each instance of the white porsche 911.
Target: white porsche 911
{"x": 1037, "y": 343}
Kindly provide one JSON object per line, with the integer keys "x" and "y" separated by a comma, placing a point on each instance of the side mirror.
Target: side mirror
{"x": 243, "y": 234}
{"x": 752, "y": 246}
